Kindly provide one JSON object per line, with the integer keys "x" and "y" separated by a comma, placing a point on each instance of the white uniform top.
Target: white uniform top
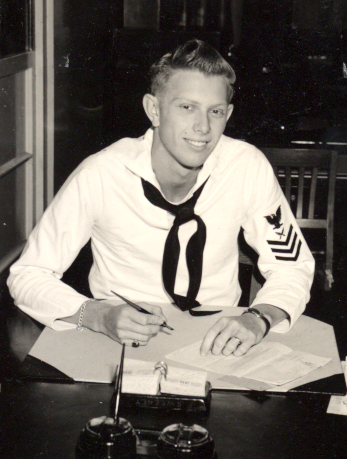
{"x": 103, "y": 200}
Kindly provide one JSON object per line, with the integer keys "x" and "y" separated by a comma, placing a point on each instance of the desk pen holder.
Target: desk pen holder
{"x": 102, "y": 438}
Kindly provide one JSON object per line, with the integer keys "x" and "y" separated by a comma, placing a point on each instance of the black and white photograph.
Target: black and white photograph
{"x": 173, "y": 229}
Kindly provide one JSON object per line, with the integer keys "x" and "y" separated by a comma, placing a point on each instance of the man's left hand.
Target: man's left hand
{"x": 237, "y": 334}
{"x": 233, "y": 335}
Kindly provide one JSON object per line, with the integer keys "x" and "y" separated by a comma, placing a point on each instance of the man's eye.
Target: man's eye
{"x": 218, "y": 112}
{"x": 187, "y": 107}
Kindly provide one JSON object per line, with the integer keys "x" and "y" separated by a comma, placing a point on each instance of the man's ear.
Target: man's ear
{"x": 230, "y": 110}
{"x": 151, "y": 106}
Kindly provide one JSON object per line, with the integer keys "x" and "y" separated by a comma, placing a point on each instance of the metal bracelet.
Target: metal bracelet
{"x": 80, "y": 319}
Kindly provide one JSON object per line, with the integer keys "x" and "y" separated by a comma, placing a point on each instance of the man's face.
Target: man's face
{"x": 193, "y": 111}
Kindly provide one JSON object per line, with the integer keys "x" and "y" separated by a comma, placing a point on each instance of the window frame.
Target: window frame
{"x": 37, "y": 157}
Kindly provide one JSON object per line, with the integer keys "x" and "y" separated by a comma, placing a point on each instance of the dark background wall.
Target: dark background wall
{"x": 289, "y": 57}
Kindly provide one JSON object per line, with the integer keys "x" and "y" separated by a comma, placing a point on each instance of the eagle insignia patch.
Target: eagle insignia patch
{"x": 275, "y": 219}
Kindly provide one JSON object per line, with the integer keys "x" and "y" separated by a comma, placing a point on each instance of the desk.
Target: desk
{"x": 43, "y": 420}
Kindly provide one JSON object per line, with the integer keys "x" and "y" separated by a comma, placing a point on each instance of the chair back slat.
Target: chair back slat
{"x": 313, "y": 187}
{"x": 300, "y": 192}
{"x": 288, "y": 182}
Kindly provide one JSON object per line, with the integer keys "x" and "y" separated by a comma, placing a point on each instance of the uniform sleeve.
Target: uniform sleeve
{"x": 285, "y": 260}
{"x": 65, "y": 227}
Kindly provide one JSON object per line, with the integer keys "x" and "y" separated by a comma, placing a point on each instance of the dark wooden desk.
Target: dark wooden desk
{"x": 44, "y": 419}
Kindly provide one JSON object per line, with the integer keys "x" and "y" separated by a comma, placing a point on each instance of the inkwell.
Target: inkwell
{"x": 179, "y": 441}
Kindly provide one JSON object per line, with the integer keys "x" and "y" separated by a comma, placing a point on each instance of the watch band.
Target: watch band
{"x": 260, "y": 316}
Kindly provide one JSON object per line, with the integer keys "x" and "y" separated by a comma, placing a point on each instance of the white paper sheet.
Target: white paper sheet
{"x": 338, "y": 403}
{"x": 269, "y": 362}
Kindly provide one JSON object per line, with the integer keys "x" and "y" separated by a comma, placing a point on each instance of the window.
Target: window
{"x": 26, "y": 120}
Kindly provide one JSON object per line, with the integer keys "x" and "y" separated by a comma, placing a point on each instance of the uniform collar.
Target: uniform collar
{"x": 138, "y": 160}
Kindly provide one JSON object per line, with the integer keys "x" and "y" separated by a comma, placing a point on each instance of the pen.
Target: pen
{"x": 139, "y": 308}
{"x": 118, "y": 385}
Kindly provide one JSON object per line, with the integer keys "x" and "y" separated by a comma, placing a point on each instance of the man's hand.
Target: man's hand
{"x": 237, "y": 334}
{"x": 125, "y": 324}
{"x": 233, "y": 335}
{"x": 122, "y": 323}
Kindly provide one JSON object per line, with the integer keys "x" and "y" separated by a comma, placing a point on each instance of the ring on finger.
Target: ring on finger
{"x": 135, "y": 343}
{"x": 238, "y": 339}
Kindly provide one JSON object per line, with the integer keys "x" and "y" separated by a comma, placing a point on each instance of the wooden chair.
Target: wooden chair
{"x": 308, "y": 179}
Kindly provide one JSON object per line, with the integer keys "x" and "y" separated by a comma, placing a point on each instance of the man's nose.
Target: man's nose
{"x": 202, "y": 123}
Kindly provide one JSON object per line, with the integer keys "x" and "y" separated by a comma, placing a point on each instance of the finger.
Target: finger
{"x": 156, "y": 311}
{"x": 146, "y": 331}
{"x": 128, "y": 338}
{"x": 231, "y": 345}
{"x": 134, "y": 316}
{"x": 244, "y": 347}
{"x": 211, "y": 335}
{"x": 226, "y": 327}
{"x": 232, "y": 329}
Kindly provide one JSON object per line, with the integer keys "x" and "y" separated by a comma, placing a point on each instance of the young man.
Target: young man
{"x": 183, "y": 190}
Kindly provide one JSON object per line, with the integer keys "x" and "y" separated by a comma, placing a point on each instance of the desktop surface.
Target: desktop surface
{"x": 44, "y": 417}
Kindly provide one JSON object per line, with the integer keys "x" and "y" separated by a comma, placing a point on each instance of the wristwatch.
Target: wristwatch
{"x": 261, "y": 316}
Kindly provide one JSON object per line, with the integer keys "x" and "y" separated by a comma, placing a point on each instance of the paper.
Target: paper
{"x": 183, "y": 381}
{"x": 269, "y": 362}
{"x": 139, "y": 377}
{"x": 89, "y": 356}
{"x": 338, "y": 405}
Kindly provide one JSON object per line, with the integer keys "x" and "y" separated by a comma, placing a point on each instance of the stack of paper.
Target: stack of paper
{"x": 141, "y": 377}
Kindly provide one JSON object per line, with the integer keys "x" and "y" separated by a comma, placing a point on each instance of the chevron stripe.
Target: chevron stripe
{"x": 294, "y": 258}
{"x": 286, "y": 242}
{"x": 290, "y": 250}
{"x": 282, "y": 247}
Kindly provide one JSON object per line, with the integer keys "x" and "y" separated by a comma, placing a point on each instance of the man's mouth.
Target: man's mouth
{"x": 196, "y": 143}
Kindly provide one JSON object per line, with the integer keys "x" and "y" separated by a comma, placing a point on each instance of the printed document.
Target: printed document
{"x": 268, "y": 362}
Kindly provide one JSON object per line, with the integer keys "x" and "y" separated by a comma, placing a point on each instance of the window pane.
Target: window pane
{"x": 12, "y": 210}
{"x": 11, "y": 116}
{"x": 14, "y": 25}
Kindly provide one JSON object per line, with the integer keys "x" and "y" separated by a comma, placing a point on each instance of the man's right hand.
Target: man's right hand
{"x": 125, "y": 324}
{"x": 122, "y": 323}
